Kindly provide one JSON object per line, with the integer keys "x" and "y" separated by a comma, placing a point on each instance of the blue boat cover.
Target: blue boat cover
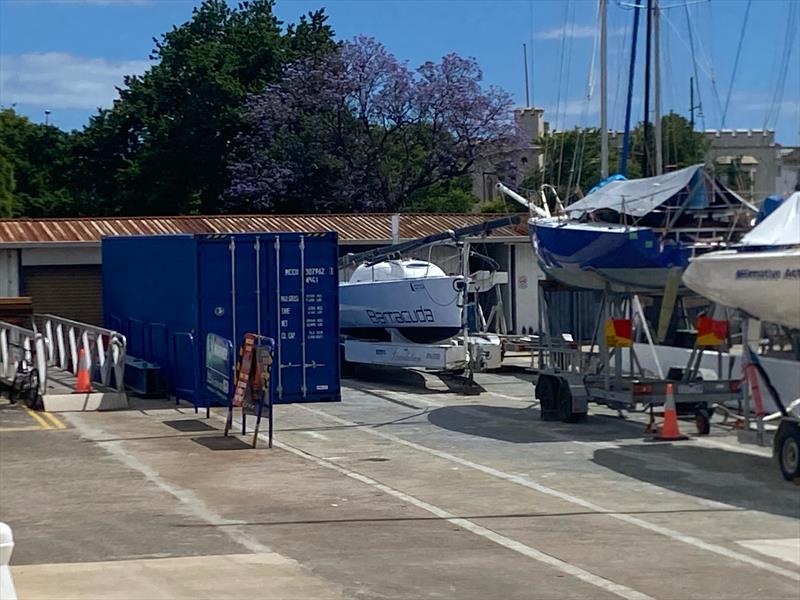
{"x": 780, "y": 228}
{"x": 639, "y": 197}
{"x": 769, "y": 204}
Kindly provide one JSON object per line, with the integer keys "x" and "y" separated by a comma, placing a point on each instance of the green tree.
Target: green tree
{"x": 571, "y": 162}
{"x": 7, "y": 185}
{"x": 163, "y": 147}
{"x": 681, "y": 146}
{"x": 572, "y": 158}
{"x": 452, "y": 196}
{"x": 40, "y": 165}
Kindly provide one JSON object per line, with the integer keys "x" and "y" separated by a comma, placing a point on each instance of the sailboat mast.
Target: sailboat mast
{"x": 603, "y": 6}
{"x": 626, "y": 139}
{"x": 657, "y": 88}
{"x": 645, "y": 154}
{"x": 527, "y": 87}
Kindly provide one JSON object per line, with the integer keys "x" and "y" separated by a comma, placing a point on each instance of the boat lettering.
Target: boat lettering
{"x": 758, "y": 274}
{"x": 792, "y": 274}
{"x": 420, "y": 315}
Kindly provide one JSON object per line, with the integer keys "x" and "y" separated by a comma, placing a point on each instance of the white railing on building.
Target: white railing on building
{"x": 22, "y": 350}
{"x": 104, "y": 349}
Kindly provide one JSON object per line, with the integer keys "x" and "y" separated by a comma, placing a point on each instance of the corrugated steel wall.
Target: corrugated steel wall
{"x": 574, "y": 312}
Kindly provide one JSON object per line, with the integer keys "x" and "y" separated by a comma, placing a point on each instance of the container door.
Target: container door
{"x": 304, "y": 300}
{"x": 321, "y": 316}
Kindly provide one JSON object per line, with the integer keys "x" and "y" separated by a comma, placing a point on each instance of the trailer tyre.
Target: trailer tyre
{"x": 702, "y": 420}
{"x": 787, "y": 450}
{"x": 546, "y": 395}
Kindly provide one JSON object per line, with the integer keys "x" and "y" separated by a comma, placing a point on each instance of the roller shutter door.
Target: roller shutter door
{"x": 70, "y": 291}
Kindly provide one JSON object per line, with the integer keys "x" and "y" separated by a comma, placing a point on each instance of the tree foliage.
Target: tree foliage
{"x": 7, "y": 186}
{"x": 452, "y": 196}
{"x": 35, "y": 176}
{"x": 163, "y": 147}
{"x": 572, "y": 158}
{"x": 357, "y": 130}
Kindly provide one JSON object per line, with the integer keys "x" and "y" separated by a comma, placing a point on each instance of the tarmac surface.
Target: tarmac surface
{"x": 403, "y": 490}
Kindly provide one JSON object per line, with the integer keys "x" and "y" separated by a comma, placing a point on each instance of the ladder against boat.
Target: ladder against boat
{"x": 40, "y": 365}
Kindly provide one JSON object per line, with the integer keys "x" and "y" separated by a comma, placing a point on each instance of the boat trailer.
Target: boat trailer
{"x": 569, "y": 376}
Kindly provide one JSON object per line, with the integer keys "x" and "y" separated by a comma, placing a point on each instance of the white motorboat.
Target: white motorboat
{"x": 761, "y": 276}
{"x": 412, "y": 299}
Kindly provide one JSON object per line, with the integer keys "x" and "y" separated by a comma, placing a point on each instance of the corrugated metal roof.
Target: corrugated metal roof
{"x": 361, "y": 227}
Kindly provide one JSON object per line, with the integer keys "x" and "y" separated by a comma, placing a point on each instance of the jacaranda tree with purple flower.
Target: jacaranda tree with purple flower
{"x": 356, "y": 130}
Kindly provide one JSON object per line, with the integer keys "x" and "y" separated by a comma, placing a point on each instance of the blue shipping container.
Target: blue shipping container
{"x": 165, "y": 293}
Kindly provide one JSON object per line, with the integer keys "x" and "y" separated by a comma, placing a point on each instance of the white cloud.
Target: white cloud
{"x": 60, "y": 80}
{"x": 577, "y": 32}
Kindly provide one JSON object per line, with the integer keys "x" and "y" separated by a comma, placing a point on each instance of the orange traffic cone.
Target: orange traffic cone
{"x": 669, "y": 430}
{"x": 83, "y": 385}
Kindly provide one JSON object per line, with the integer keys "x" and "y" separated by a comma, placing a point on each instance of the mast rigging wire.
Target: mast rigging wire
{"x": 736, "y": 62}
{"x": 694, "y": 64}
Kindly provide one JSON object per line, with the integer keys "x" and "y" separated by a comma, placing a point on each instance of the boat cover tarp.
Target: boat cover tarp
{"x": 780, "y": 228}
{"x": 638, "y": 197}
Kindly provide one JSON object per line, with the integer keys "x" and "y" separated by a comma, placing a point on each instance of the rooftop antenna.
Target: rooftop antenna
{"x": 626, "y": 140}
{"x": 603, "y": 91}
{"x": 657, "y": 88}
{"x": 527, "y": 87}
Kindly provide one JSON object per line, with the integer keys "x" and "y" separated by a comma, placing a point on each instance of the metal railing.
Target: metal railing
{"x": 104, "y": 349}
{"x": 20, "y": 347}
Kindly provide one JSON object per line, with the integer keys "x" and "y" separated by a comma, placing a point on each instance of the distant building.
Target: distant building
{"x": 509, "y": 160}
{"x": 746, "y": 160}
{"x": 788, "y": 178}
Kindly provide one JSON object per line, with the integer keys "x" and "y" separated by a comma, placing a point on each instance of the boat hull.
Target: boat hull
{"x": 600, "y": 255}
{"x": 764, "y": 284}
{"x": 423, "y": 310}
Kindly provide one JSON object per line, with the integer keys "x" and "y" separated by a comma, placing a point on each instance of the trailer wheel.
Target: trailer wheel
{"x": 702, "y": 420}
{"x": 787, "y": 450}
{"x": 546, "y": 395}
{"x": 565, "y": 405}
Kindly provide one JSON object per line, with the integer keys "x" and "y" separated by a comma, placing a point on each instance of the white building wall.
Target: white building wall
{"x": 32, "y": 257}
{"x": 788, "y": 179}
{"x": 527, "y": 275}
{"x": 9, "y": 273}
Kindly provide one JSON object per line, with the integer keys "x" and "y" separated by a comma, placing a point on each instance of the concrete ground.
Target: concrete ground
{"x": 403, "y": 490}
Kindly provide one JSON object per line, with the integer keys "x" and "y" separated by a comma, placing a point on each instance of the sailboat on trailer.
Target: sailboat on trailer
{"x": 634, "y": 235}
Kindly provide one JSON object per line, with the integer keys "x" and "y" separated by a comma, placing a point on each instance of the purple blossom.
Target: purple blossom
{"x": 357, "y": 130}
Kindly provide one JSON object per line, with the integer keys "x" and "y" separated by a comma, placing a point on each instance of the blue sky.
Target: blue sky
{"x": 67, "y": 55}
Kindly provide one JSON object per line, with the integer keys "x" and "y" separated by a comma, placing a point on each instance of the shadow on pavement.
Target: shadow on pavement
{"x": 221, "y": 442}
{"x": 188, "y": 425}
{"x": 393, "y": 377}
{"x": 733, "y": 478}
{"x": 524, "y": 426}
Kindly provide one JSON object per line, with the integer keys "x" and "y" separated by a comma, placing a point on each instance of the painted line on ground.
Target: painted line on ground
{"x": 374, "y": 393}
{"x": 54, "y": 420}
{"x": 565, "y": 567}
{"x": 193, "y": 505}
{"x": 42, "y": 423}
{"x": 12, "y": 429}
{"x": 712, "y": 443}
{"x": 531, "y": 484}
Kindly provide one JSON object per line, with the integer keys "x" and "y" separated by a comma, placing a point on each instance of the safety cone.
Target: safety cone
{"x": 669, "y": 430}
{"x": 83, "y": 385}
